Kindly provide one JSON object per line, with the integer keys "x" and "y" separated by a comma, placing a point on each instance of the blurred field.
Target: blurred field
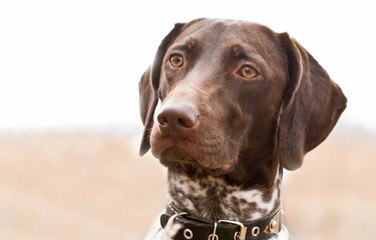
{"x": 92, "y": 185}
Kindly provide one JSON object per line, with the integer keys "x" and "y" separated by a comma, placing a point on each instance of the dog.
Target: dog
{"x": 239, "y": 103}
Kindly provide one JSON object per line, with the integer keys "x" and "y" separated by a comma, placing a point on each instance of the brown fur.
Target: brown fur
{"x": 245, "y": 129}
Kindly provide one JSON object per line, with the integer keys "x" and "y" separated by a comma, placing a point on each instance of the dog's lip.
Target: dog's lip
{"x": 191, "y": 154}
{"x": 167, "y": 142}
{"x": 170, "y": 161}
{"x": 217, "y": 168}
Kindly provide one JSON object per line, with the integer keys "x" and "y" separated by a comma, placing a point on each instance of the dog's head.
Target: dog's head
{"x": 235, "y": 94}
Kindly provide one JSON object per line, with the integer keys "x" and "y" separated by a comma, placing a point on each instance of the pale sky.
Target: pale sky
{"x": 76, "y": 63}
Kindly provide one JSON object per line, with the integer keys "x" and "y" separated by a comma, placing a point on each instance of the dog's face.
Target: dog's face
{"x": 226, "y": 89}
{"x": 233, "y": 84}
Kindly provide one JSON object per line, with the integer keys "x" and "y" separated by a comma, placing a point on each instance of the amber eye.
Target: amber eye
{"x": 176, "y": 60}
{"x": 248, "y": 71}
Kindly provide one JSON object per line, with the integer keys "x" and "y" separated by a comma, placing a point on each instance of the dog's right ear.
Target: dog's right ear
{"x": 149, "y": 84}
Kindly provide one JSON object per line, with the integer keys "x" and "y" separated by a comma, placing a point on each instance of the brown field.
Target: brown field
{"x": 92, "y": 185}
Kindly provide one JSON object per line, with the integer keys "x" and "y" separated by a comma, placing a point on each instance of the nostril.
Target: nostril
{"x": 188, "y": 121}
{"x": 162, "y": 120}
{"x": 182, "y": 122}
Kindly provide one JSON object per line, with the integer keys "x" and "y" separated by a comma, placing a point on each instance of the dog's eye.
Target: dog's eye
{"x": 247, "y": 71}
{"x": 176, "y": 60}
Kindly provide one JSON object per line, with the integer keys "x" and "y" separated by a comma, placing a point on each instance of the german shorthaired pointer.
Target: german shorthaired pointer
{"x": 239, "y": 103}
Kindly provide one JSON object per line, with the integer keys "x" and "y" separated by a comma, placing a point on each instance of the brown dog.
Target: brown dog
{"x": 239, "y": 103}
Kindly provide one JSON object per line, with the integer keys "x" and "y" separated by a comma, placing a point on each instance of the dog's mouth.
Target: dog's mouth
{"x": 175, "y": 157}
{"x": 180, "y": 154}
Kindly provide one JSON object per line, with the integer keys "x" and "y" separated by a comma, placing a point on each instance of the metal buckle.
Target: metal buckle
{"x": 172, "y": 218}
{"x": 275, "y": 223}
{"x": 214, "y": 236}
{"x": 243, "y": 230}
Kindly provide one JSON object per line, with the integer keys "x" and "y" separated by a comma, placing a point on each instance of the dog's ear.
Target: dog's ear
{"x": 311, "y": 107}
{"x": 149, "y": 84}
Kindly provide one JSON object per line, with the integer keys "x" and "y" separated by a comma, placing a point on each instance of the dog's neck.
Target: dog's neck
{"x": 212, "y": 198}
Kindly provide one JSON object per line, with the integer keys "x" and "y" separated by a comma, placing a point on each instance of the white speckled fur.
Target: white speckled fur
{"x": 191, "y": 195}
{"x": 190, "y": 189}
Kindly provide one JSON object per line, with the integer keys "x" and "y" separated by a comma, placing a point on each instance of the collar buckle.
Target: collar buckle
{"x": 242, "y": 232}
{"x": 275, "y": 223}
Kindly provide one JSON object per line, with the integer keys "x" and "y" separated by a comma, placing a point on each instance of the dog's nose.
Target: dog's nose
{"x": 177, "y": 117}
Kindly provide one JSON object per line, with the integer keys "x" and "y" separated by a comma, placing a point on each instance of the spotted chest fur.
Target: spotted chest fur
{"x": 212, "y": 198}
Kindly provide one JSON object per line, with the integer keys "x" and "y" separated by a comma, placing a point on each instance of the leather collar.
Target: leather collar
{"x": 199, "y": 229}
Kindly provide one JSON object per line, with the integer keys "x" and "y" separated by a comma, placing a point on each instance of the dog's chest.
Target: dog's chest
{"x": 213, "y": 199}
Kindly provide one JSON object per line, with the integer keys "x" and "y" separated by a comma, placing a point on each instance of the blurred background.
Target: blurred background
{"x": 70, "y": 127}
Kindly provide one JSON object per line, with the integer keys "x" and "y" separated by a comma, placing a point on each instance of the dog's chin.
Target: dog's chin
{"x": 173, "y": 157}
{"x": 178, "y": 159}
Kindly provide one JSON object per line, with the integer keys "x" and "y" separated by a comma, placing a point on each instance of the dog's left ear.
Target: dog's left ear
{"x": 149, "y": 85}
{"x": 313, "y": 103}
